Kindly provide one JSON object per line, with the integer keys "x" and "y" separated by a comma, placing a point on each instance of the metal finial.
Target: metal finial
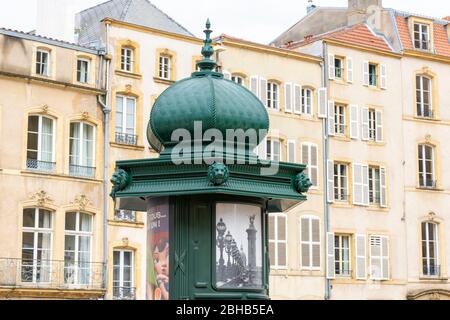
{"x": 207, "y": 51}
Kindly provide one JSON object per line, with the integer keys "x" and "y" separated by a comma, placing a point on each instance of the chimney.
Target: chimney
{"x": 56, "y": 19}
{"x": 363, "y": 5}
{"x": 310, "y": 6}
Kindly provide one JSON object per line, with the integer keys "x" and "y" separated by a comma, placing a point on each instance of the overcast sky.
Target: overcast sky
{"x": 256, "y": 20}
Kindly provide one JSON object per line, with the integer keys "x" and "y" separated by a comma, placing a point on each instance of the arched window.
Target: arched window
{"x": 430, "y": 249}
{"x": 82, "y": 150}
{"x": 424, "y": 96}
{"x": 41, "y": 143}
{"x": 427, "y": 176}
{"x": 37, "y": 233}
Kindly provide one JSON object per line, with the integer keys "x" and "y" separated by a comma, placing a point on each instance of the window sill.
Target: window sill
{"x": 434, "y": 279}
{"x": 341, "y": 82}
{"x": 56, "y": 175}
{"x": 342, "y": 205}
{"x": 341, "y": 138}
{"x": 376, "y": 144}
{"x": 430, "y": 189}
{"x": 126, "y": 224}
{"x": 427, "y": 119}
{"x": 377, "y": 209}
{"x": 128, "y": 74}
{"x": 163, "y": 81}
{"x": 127, "y": 146}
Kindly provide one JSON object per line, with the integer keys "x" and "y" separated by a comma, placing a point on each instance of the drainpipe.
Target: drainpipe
{"x": 106, "y": 108}
{"x": 325, "y": 146}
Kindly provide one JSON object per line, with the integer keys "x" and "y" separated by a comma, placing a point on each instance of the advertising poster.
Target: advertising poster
{"x": 158, "y": 249}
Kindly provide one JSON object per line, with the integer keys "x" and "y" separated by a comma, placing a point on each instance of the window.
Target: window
{"x": 36, "y": 245}
{"x": 126, "y": 120}
{"x": 340, "y": 182}
{"x": 273, "y": 150}
{"x": 338, "y": 68}
{"x": 237, "y": 79}
{"x": 77, "y": 248}
{"x": 272, "y": 95}
{"x": 430, "y": 249}
{"x": 423, "y": 97}
{"x": 307, "y": 98}
{"x": 373, "y": 74}
{"x": 379, "y": 257}
{"x": 278, "y": 240}
{"x": 41, "y": 144}
{"x": 82, "y": 144}
{"x": 372, "y": 125}
{"x": 310, "y": 157}
{"x": 342, "y": 255}
{"x": 164, "y": 67}
{"x": 339, "y": 120}
{"x": 127, "y": 59}
{"x": 426, "y": 166}
{"x": 123, "y": 275}
{"x": 125, "y": 215}
{"x": 83, "y": 70}
{"x": 43, "y": 62}
{"x": 374, "y": 186}
{"x": 310, "y": 243}
{"x": 421, "y": 36}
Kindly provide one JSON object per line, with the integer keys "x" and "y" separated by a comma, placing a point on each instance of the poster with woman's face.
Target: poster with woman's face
{"x": 238, "y": 246}
{"x": 158, "y": 249}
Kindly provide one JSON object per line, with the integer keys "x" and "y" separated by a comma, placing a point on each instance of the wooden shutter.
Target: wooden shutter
{"x": 358, "y": 184}
{"x": 331, "y": 131}
{"x": 314, "y": 165}
{"x": 297, "y": 99}
{"x": 263, "y": 91}
{"x": 331, "y": 271}
{"x": 288, "y": 97}
{"x": 385, "y": 258}
{"x": 291, "y": 151}
{"x": 349, "y": 69}
{"x": 322, "y": 102}
{"x": 226, "y": 75}
{"x": 305, "y": 236}
{"x": 331, "y": 67}
{"x": 360, "y": 256}
{"x": 383, "y": 76}
{"x": 254, "y": 85}
{"x": 365, "y": 185}
{"x": 375, "y": 245}
{"x": 383, "y": 188}
{"x": 315, "y": 245}
{"x": 379, "y": 124}
{"x": 366, "y": 73}
{"x": 354, "y": 121}
{"x": 330, "y": 181}
{"x": 365, "y": 124}
{"x": 262, "y": 149}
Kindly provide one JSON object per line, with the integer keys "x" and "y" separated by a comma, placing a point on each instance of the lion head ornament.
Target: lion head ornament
{"x": 302, "y": 183}
{"x": 120, "y": 180}
{"x": 218, "y": 174}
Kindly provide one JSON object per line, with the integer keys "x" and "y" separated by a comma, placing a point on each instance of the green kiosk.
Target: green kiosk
{"x": 208, "y": 195}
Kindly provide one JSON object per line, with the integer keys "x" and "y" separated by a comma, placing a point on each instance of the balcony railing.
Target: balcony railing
{"x": 125, "y": 138}
{"x": 125, "y": 215}
{"x": 432, "y": 271}
{"x": 124, "y": 293}
{"x": 42, "y": 166}
{"x": 80, "y": 171}
{"x": 51, "y": 274}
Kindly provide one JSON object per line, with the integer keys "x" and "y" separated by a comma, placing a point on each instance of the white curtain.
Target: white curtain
{"x": 74, "y": 143}
{"x": 119, "y": 114}
{"x": 47, "y": 140}
{"x": 88, "y": 145}
{"x": 130, "y": 116}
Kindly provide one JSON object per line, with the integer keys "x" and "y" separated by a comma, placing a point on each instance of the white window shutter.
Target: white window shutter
{"x": 331, "y": 67}
{"x": 365, "y": 185}
{"x": 365, "y": 124}
{"x": 331, "y": 131}
{"x": 254, "y": 85}
{"x": 314, "y": 165}
{"x": 226, "y": 75}
{"x": 291, "y": 151}
{"x": 288, "y": 97}
{"x": 379, "y": 129}
{"x": 331, "y": 271}
{"x": 383, "y": 76}
{"x": 349, "y": 69}
{"x": 305, "y": 242}
{"x": 357, "y": 184}
{"x": 315, "y": 233}
{"x": 262, "y": 149}
{"x": 354, "y": 121}
{"x": 297, "y": 99}
{"x": 322, "y": 102}
{"x": 330, "y": 180}
{"x": 360, "y": 257}
{"x": 263, "y": 91}
{"x": 366, "y": 73}
{"x": 375, "y": 257}
{"x": 383, "y": 188}
{"x": 385, "y": 258}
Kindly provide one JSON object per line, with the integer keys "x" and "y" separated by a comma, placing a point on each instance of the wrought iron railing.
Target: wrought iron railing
{"x": 42, "y": 166}
{"x": 125, "y": 215}
{"x": 124, "y": 293}
{"x": 80, "y": 171}
{"x": 51, "y": 274}
{"x": 125, "y": 138}
{"x": 432, "y": 271}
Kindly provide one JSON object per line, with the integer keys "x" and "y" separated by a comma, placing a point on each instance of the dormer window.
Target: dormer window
{"x": 421, "y": 36}
{"x": 43, "y": 62}
{"x": 127, "y": 59}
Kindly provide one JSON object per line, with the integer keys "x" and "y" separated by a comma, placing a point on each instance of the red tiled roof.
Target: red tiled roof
{"x": 441, "y": 40}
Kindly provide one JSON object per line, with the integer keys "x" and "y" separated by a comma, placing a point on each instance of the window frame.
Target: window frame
{"x": 40, "y": 137}
{"x": 421, "y": 34}
{"x": 340, "y": 120}
{"x": 423, "y": 162}
{"x": 127, "y": 52}
{"x": 39, "y": 65}
{"x": 375, "y": 77}
{"x": 305, "y": 107}
{"x": 425, "y": 256}
{"x": 374, "y": 187}
{"x": 273, "y": 95}
{"x": 236, "y": 77}
{"x": 165, "y": 67}
{"x": 124, "y": 128}
{"x": 340, "y": 69}
{"x": 341, "y": 261}
{"x": 420, "y": 97}
{"x": 87, "y": 71}
{"x": 276, "y": 241}
{"x": 81, "y": 140}
{"x": 121, "y": 269}
{"x": 342, "y": 197}
{"x": 270, "y": 143}
{"x": 381, "y": 257}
